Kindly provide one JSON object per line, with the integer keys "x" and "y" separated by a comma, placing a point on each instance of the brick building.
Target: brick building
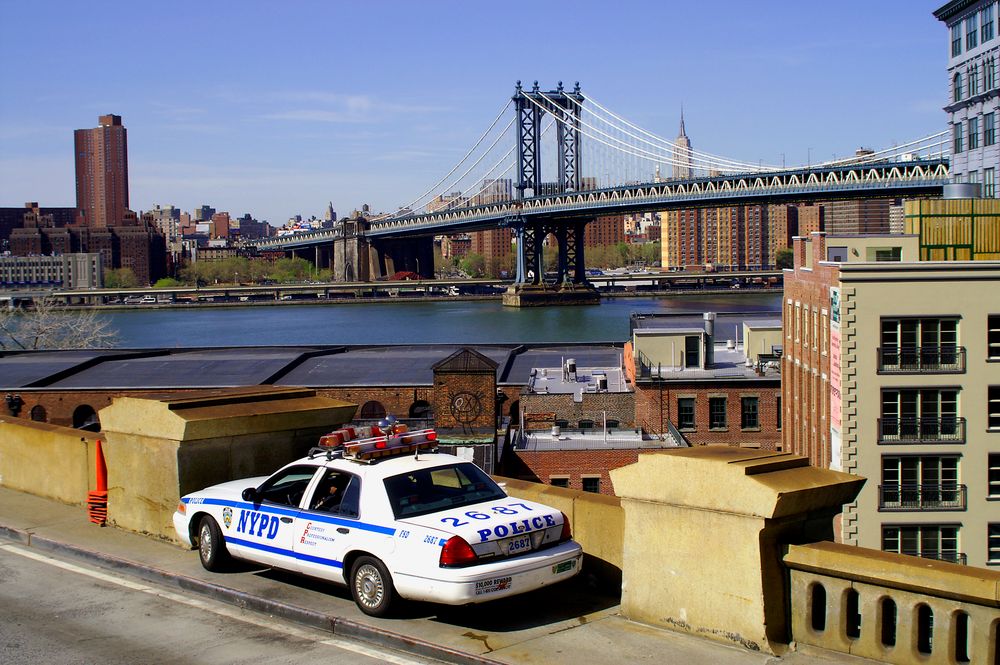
{"x": 716, "y": 380}
{"x": 102, "y": 172}
{"x": 604, "y": 230}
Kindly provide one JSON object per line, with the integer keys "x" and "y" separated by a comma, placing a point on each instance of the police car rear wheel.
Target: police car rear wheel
{"x": 211, "y": 546}
{"x": 372, "y": 587}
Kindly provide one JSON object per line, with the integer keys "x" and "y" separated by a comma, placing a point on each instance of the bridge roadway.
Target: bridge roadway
{"x": 925, "y": 177}
{"x": 678, "y": 281}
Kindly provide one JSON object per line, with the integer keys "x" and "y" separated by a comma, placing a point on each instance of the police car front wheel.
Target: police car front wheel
{"x": 372, "y": 587}
{"x": 211, "y": 546}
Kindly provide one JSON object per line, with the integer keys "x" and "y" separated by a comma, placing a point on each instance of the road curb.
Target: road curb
{"x": 336, "y": 625}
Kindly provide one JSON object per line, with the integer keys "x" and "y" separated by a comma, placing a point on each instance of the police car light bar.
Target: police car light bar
{"x": 396, "y": 444}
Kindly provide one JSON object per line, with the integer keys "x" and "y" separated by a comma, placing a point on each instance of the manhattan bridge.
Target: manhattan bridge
{"x": 562, "y": 159}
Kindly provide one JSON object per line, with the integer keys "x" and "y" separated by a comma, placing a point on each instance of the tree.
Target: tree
{"x": 166, "y": 283}
{"x": 473, "y": 265}
{"x": 784, "y": 258}
{"x": 122, "y": 278}
{"x": 44, "y": 326}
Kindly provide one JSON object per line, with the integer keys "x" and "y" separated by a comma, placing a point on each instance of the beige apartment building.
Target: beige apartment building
{"x": 891, "y": 370}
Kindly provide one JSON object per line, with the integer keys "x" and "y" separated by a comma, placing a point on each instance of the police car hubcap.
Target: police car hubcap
{"x": 206, "y": 543}
{"x": 369, "y": 586}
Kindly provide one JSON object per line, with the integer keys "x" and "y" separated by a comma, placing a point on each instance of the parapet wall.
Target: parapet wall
{"x": 598, "y": 524}
{"x": 47, "y": 460}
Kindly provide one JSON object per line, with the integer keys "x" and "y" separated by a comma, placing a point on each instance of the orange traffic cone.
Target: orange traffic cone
{"x": 97, "y": 500}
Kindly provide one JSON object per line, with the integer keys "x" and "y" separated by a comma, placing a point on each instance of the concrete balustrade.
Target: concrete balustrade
{"x": 892, "y": 607}
{"x": 47, "y": 460}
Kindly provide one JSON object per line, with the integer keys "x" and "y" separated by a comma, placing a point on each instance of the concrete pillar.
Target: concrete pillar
{"x": 159, "y": 450}
{"x": 705, "y": 530}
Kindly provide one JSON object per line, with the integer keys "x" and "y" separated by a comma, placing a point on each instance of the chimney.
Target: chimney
{"x": 709, "y": 338}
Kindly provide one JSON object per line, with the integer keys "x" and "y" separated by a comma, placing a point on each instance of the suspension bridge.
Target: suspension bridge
{"x": 562, "y": 159}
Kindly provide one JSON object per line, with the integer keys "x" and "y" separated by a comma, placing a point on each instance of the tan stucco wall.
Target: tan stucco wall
{"x": 159, "y": 450}
{"x": 704, "y": 529}
{"x": 969, "y": 291}
{"x": 597, "y": 521}
{"x": 667, "y": 348}
{"x": 47, "y": 460}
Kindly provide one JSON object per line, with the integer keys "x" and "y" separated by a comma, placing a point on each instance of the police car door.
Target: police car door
{"x": 330, "y": 526}
{"x": 262, "y": 531}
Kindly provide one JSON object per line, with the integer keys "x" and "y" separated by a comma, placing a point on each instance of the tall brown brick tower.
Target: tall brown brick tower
{"x": 101, "y": 173}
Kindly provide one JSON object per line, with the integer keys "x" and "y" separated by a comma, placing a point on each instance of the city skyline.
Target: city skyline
{"x": 305, "y": 109}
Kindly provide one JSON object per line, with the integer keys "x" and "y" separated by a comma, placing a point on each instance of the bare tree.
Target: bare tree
{"x": 46, "y": 327}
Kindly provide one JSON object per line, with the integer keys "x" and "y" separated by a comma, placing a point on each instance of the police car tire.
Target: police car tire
{"x": 211, "y": 546}
{"x": 371, "y": 587}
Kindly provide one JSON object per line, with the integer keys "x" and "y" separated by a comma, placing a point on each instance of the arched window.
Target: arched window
{"x": 84, "y": 417}
{"x": 421, "y": 409}
{"x": 853, "y": 610}
{"x": 925, "y": 629}
{"x": 957, "y": 96}
{"x": 962, "y": 637}
{"x": 888, "y": 622}
{"x": 818, "y": 608}
{"x": 372, "y": 410}
{"x": 38, "y": 414}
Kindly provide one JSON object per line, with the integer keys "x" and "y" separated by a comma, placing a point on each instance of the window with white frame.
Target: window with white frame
{"x": 973, "y": 133}
{"x": 973, "y": 74}
{"x": 993, "y": 337}
{"x": 749, "y": 412}
{"x": 989, "y": 129}
{"x": 993, "y": 415}
{"x": 959, "y": 131}
{"x": 926, "y": 540}
{"x": 972, "y": 32}
{"x": 993, "y": 476}
{"x": 986, "y": 30}
{"x": 956, "y": 39}
{"x": 993, "y": 543}
{"x": 989, "y": 74}
{"x": 989, "y": 183}
{"x": 956, "y": 93}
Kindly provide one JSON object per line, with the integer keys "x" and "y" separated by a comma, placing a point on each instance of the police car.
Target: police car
{"x": 389, "y": 518}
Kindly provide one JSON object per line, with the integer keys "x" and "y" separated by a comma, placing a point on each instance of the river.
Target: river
{"x": 444, "y": 322}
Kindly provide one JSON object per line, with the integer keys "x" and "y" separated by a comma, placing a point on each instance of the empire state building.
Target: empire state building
{"x": 682, "y": 153}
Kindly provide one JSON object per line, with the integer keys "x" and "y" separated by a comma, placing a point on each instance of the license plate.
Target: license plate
{"x": 519, "y": 544}
{"x": 492, "y": 586}
{"x": 563, "y": 567}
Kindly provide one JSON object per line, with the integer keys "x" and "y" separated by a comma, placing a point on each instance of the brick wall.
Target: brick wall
{"x": 617, "y": 406}
{"x": 574, "y": 465}
{"x": 464, "y": 400}
{"x": 656, "y": 404}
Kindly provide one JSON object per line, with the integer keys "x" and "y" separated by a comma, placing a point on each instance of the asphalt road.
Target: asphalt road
{"x": 58, "y": 612}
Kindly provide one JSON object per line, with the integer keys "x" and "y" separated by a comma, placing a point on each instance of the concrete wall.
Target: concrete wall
{"x": 47, "y": 460}
{"x": 597, "y": 521}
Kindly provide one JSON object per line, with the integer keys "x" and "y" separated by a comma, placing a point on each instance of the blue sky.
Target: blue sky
{"x": 275, "y": 108}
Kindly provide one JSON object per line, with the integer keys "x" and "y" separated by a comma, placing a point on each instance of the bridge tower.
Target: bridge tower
{"x": 571, "y": 285}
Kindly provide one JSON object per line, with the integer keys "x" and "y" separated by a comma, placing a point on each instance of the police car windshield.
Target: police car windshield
{"x": 430, "y": 490}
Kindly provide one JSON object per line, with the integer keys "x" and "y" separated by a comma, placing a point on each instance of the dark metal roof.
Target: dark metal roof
{"x": 23, "y": 370}
{"x": 208, "y": 368}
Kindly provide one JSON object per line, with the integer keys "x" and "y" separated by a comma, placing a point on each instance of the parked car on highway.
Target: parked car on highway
{"x": 388, "y": 517}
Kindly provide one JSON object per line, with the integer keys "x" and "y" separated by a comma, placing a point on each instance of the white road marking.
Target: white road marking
{"x": 215, "y": 608}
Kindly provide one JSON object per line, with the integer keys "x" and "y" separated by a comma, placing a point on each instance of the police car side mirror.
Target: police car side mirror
{"x": 250, "y": 494}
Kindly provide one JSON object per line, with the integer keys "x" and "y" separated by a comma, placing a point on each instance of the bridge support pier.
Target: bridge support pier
{"x": 570, "y": 287}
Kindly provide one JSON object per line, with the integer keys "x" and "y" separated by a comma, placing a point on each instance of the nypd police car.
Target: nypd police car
{"x": 387, "y": 517}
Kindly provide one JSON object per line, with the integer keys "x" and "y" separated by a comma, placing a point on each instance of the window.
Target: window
{"x": 749, "y": 418}
{"x": 973, "y": 74}
{"x": 717, "y": 412}
{"x": 559, "y": 481}
{"x": 993, "y": 420}
{"x": 956, "y": 39}
{"x": 956, "y": 93}
{"x": 685, "y": 413}
{"x": 591, "y": 484}
{"x": 971, "y": 32}
{"x": 38, "y": 414}
{"x": 778, "y": 410}
{"x": 993, "y": 337}
{"x": 919, "y": 344}
{"x": 424, "y": 490}
{"x": 989, "y": 183}
{"x": 993, "y": 544}
{"x": 912, "y": 482}
{"x": 993, "y": 478}
{"x": 929, "y": 541}
{"x": 959, "y": 129}
{"x": 986, "y": 31}
{"x": 287, "y": 487}
{"x": 691, "y": 355}
{"x": 337, "y": 493}
{"x": 989, "y": 74}
{"x": 915, "y": 415}
{"x": 973, "y": 133}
